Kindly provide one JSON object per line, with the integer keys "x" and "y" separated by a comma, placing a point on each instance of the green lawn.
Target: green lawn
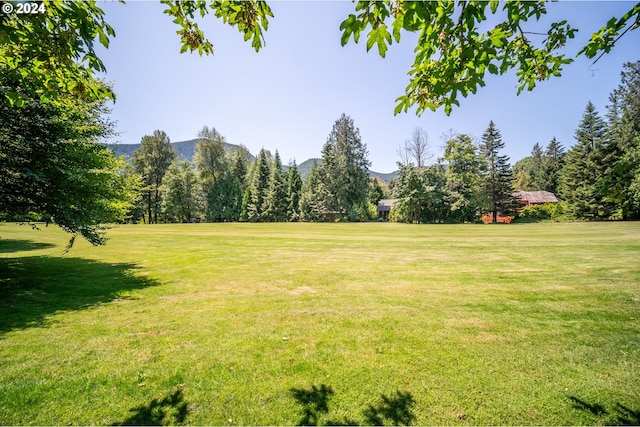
{"x": 323, "y": 324}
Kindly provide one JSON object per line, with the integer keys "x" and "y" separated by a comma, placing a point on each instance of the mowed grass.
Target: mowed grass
{"x": 325, "y": 324}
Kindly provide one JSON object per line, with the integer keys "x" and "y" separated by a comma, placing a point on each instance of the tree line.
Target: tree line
{"x": 597, "y": 179}
{"x": 468, "y": 181}
{"x": 227, "y": 185}
{"x": 53, "y": 167}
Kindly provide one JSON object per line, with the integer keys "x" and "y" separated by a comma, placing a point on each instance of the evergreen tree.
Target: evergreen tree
{"x": 537, "y": 167}
{"x": 375, "y": 192}
{"x": 436, "y": 209}
{"x": 246, "y": 201}
{"x": 240, "y": 167}
{"x": 245, "y": 184}
{"x": 294, "y": 187}
{"x": 622, "y": 180}
{"x": 584, "y": 169}
{"x": 498, "y": 180}
{"x": 346, "y": 169}
{"x": 257, "y": 190}
{"x": 541, "y": 169}
{"x": 314, "y": 196}
{"x": 408, "y": 192}
{"x": 275, "y": 201}
{"x": 224, "y": 200}
{"x": 554, "y": 160}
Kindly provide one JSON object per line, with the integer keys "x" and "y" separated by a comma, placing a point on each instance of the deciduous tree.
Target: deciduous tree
{"x": 416, "y": 149}
{"x": 50, "y": 55}
{"x": 53, "y": 166}
{"x": 210, "y": 156}
{"x": 455, "y": 46}
{"x": 462, "y": 166}
{"x": 421, "y": 194}
{"x": 151, "y": 161}
{"x": 181, "y": 199}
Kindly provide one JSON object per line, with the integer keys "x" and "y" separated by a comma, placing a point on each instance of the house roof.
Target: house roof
{"x": 385, "y": 204}
{"x": 536, "y": 197}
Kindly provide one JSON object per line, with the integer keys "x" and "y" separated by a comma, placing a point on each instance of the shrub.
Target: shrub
{"x": 556, "y": 212}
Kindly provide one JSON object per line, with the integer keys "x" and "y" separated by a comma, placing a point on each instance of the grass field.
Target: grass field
{"x": 322, "y": 324}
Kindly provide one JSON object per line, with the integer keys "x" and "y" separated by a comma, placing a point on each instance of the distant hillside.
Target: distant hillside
{"x": 385, "y": 177}
{"x": 186, "y": 150}
{"x": 305, "y": 167}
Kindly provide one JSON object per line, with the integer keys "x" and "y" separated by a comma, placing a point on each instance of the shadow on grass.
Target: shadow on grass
{"x": 394, "y": 410}
{"x": 171, "y": 410}
{"x": 34, "y": 287}
{"x": 8, "y": 246}
{"x": 621, "y": 415}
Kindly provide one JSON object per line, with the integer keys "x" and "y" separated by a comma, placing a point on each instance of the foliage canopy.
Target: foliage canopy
{"x": 53, "y": 167}
{"x": 454, "y": 51}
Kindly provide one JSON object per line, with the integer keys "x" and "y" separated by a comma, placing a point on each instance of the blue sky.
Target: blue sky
{"x": 287, "y": 96}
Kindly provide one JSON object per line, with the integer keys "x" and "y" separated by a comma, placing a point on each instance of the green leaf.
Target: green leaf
{"x": 104, "y": 40}
{"x": 403, "y": 103}
{"x": 397, "y": 26}
{"x": 371, "y": 40}
{"x": 348, "y": 26}
{"x": 381, "y": 37}
{"x": 493, "y": 4}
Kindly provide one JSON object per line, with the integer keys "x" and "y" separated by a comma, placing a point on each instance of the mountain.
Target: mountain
{"x": 304, "y": 168}
{"x": 186, "y": 150}
{"x": 385, "y": 177}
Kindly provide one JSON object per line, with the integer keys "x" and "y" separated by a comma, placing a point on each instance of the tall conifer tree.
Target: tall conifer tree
{"x": 554, "y": 159}
{"x": 498, "y": 180}
{"x": 294, "y": 187}
{"x": 345, "y": 168}
{"x": 275, "y": 202}
{"x": 314, "y": 195}
{"x": 258, "y": 187}
{"x": 622, "y": 180}
{"x": 585, "y": 167}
